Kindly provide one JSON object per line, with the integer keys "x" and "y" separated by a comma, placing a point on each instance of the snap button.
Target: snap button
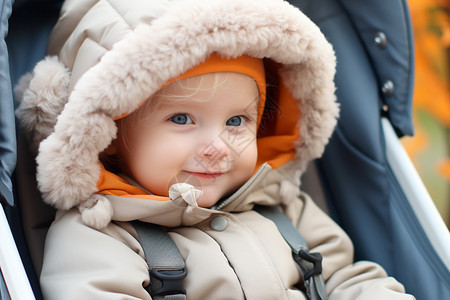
{"x": 380, "y": 39}
{"x": 219, "y": 223}
{"x": 388, "y": 88}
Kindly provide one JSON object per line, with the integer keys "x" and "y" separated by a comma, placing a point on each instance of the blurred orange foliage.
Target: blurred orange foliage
{"x": 444, "y": 169}
{"x": 431, "y": 24}
{"x": 430, "y": 148}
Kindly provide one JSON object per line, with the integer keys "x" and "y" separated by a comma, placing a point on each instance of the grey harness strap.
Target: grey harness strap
{"x": 166, "y": 265}
{"x": 310, "y": 263}
{"x": 167, "y": 268}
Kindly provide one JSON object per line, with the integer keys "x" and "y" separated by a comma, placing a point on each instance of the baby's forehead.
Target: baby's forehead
{"x": 208, "y": 82}
{"x": 200, "y": 100}
{"x": 210, "y": 87}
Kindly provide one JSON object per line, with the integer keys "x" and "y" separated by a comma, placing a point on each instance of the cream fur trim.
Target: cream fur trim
{"x": 139, "y": 64}
{"x": 42, "y": 96}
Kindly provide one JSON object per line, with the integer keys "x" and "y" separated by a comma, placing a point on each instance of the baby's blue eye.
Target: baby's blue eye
{"x": 235, "y": 121}
{"x": 181, "y": 119}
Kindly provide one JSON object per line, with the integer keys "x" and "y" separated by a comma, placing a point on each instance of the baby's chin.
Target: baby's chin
{"x": 209, "y": 198}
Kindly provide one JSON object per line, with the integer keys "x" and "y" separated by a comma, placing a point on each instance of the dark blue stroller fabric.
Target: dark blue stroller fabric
{"x": 7, "y": 128}
{"x": 375, "y": 79}
{"x": 373, "y": 43}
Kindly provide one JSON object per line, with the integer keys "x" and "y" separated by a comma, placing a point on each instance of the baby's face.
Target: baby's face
{"x": 202, "y": 132}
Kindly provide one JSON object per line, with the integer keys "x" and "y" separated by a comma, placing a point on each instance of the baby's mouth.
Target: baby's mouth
{"x": 206, "y": 175}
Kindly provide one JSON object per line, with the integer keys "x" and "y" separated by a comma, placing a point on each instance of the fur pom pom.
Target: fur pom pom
{"x": 42, "y": 96}
{"x": 96, "y": 212}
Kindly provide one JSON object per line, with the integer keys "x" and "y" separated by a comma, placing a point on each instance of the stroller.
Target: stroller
{"x": 364, "y": 180}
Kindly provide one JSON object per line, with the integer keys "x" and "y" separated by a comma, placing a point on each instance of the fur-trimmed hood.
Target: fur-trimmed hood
{"x": 107, "y": 56}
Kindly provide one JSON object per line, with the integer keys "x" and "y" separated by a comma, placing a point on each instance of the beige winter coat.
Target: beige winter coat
{"x": 111, "y": 55}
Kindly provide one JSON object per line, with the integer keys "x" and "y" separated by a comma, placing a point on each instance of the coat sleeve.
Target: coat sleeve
{"x": 83, "y": 263}
{"x": 343, "y": 278}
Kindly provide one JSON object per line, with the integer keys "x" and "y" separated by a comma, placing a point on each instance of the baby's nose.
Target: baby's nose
{"x": 215, "y": 149}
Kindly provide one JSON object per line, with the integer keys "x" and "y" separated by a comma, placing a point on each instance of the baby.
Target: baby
{"x": 186, "y": 114}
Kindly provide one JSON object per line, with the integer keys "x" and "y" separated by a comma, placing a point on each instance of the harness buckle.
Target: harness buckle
{"x": 310, "y": 263}
{"x": 170, "y": 282}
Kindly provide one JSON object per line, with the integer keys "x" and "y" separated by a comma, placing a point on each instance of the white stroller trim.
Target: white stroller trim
{"x": 11, "y": 266}
{"x": 418, "y": 196}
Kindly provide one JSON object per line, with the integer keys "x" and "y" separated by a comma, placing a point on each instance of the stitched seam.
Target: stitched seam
{"x": 118, "y": 13}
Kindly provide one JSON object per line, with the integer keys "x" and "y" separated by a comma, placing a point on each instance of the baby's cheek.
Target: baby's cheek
{"x": 250, "y": 156}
